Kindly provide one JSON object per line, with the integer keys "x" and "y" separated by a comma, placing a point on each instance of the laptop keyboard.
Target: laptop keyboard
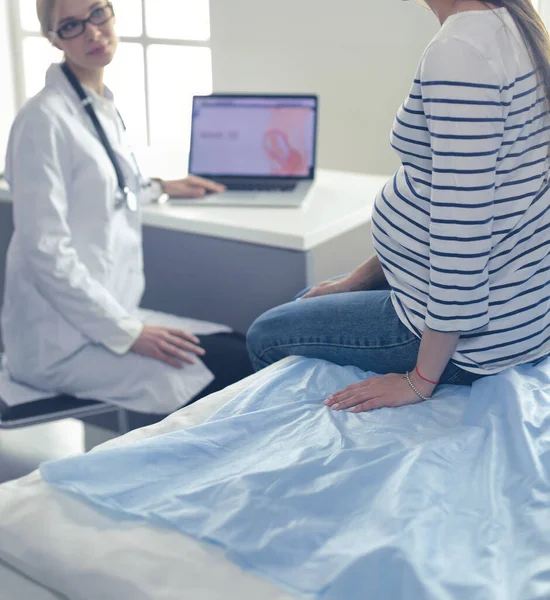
{"x": 274, "y": 186}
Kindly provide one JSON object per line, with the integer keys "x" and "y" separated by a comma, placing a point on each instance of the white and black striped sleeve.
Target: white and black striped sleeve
{"x": 461, "y": 97}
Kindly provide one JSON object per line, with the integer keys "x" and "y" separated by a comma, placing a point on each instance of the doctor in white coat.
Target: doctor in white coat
{"x": 74, "y": 273}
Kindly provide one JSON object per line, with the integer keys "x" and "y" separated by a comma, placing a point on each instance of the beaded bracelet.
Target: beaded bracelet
{"x": 413, "y": 387}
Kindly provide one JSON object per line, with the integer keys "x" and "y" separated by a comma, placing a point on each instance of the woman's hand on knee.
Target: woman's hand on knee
{"x": 338, "y": 286}
{"x": 171, "y": 346}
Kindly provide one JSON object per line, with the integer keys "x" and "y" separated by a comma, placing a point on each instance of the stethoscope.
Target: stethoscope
{"x": 124, "y": 195}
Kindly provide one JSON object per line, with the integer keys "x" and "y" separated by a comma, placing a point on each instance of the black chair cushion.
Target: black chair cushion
{"x": 41, "y": 408}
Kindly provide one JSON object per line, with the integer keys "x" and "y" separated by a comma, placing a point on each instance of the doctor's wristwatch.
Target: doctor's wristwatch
{"x": 156, "y": 191}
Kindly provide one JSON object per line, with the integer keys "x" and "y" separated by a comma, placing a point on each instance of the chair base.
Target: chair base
{"x": 55, "y": 409}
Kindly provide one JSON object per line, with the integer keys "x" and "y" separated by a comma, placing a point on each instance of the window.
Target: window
{"x": 7, "y": 98}
{"x": 163, "y": 60}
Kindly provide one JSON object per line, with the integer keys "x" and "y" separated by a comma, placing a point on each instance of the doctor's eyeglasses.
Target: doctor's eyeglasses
{"x": 72, "y": 28}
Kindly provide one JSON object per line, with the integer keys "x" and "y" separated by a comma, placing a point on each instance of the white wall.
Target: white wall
{"x": 543, "y": 6}
{"x": 360, "y": 56}
{"x": 7, "y": 96}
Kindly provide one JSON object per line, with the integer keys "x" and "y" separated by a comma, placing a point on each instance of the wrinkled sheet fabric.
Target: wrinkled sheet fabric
{"x": 448, "y": 499}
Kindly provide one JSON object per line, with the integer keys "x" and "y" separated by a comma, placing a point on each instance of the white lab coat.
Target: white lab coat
{"x": 74, "y": 273}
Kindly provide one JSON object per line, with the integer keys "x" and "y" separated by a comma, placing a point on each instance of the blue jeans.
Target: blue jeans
{"x": 355, "y": 328}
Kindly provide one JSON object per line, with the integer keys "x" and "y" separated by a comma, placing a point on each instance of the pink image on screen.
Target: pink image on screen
{"x": 285, "y": 142}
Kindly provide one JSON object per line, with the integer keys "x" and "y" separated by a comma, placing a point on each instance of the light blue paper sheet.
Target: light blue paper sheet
{"x": 444, "y": 500}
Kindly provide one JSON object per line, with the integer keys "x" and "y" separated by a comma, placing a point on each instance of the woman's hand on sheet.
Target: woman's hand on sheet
{"x": 191, "y": 187}
{"x": 166, "y": 344}
{"x": 378, "y": 392}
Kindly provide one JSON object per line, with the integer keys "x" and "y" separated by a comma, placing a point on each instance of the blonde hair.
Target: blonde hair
{"x": 47, "y": 11}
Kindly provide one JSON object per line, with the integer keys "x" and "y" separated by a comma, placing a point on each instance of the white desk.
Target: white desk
{"x": 338, "y": 202}
{"x": 230, "y": 264}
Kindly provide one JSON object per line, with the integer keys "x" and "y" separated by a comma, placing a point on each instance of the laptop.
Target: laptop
{"x": 261, "y": 147}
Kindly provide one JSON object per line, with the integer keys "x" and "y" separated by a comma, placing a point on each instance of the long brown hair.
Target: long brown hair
{"x": 534, "y": 33}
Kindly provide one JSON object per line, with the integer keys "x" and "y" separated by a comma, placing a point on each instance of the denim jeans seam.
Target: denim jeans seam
{"x": 457, "y": 375}
{"x": 453, "y": 377}
{"x": 257, "y": 358}
{"x": 362, "y": 347}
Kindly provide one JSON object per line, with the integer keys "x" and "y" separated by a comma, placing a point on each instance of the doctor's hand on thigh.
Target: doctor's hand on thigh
{"x": 168, "y": 345}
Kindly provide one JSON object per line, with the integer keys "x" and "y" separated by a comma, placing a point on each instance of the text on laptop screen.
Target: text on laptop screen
{"x": 264, "y": 137}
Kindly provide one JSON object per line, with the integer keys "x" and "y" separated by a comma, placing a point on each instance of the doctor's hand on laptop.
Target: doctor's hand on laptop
{"x": 191, "y": 187}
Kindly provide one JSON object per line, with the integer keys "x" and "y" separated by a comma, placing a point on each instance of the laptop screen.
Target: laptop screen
{"x": 253, "y": 136}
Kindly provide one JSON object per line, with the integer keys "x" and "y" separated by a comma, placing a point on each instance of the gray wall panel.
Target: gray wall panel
{"x": 215, "y": 279}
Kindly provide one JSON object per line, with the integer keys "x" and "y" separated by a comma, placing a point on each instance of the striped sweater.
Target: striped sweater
{"x": 463, "y": 229}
